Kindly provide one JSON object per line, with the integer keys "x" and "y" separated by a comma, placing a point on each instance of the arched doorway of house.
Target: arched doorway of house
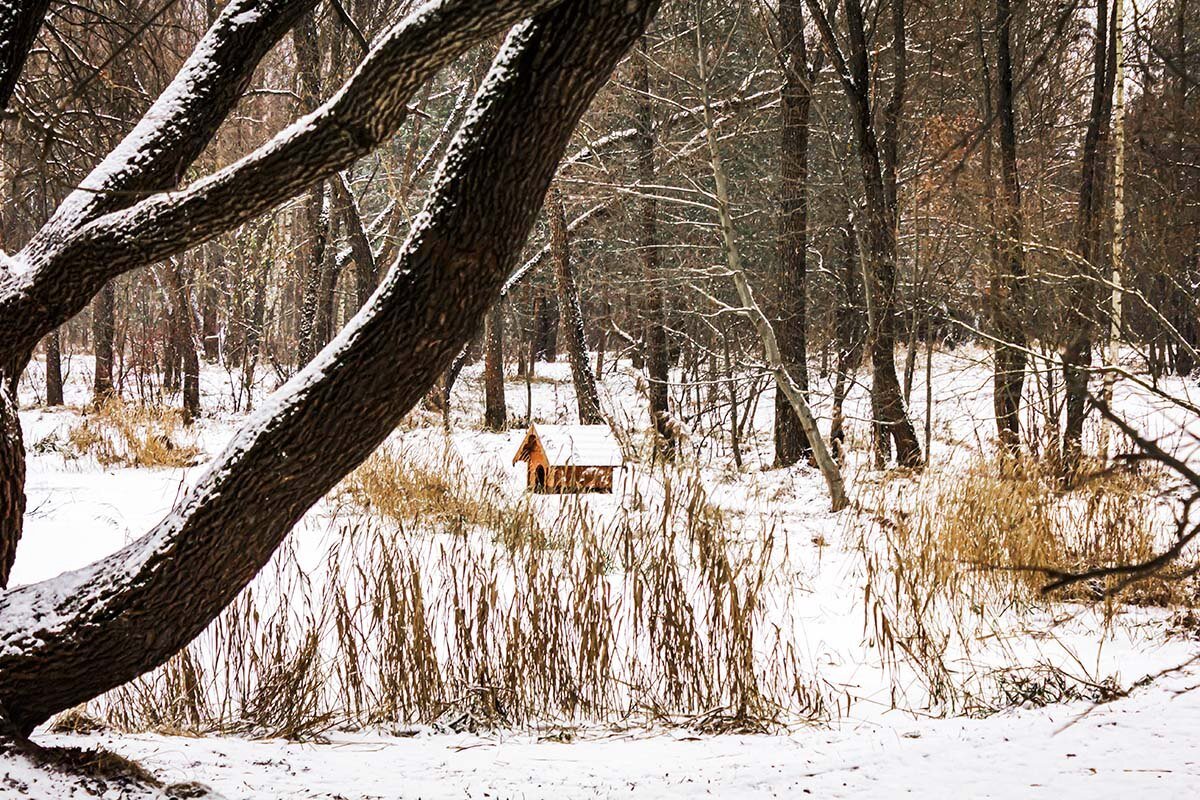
{"x": 539, "y": 479}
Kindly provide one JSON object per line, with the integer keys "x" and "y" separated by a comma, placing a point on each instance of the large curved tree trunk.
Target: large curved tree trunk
{"x": 71, "y": 638}
{"x": 12, "y": 478}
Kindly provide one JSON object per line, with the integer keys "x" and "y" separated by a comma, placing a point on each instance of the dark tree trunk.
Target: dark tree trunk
{"x": 851, "y": 332}
{"x": 366, "y": 270}
{"x": 78, "y": 635}
{"x": 791, "y": 444}
{"x": 103, "y": 331}
{"x": 878, "y": 164}
{"x": 495, "y": 408}
{"x": 543, "y": 341}
{"x": 586, "y": 393}
{"x": 312, "y": 260}
{"x": 19, "y": 25}
{"x": 1008, "y": 290}
{"x": 654, "y": 312}
{"x": 12, "y": 487}
{"x": 184, "y": 343}
{"x": 54, "y": 377}
{"x": 1084, "y": 301}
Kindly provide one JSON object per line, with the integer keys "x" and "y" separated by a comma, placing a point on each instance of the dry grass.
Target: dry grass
{"x": 957, "y": 559}
{"x": 133, "y": 435}
{"x": 446, "y": 606}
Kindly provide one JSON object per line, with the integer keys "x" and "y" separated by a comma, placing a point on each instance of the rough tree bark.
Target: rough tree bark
{"x": 791, "y": 443}
{"x": 168, "y": 138}
{"x": 654, "y": 311}
{"x": 495, "y": 407}
{"x": 103, "y": 332}
{"x": 586, "y": 394}
{"x": 1008, "y": 279}
{"x": 19, "y": 25}
{"x": 878, "y": 165}
{"x": 69, "y": 261}
{"x": 68, "y": 639}
{"x": 54, "y": 376}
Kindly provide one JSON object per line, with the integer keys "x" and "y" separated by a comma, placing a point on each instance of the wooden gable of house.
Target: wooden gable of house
{"x": 569, "y": 458}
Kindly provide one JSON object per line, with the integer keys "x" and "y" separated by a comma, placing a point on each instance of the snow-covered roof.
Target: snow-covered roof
{"x": 573, "y": 445}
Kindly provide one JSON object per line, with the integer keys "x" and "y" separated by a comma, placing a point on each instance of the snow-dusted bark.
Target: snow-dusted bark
{"x": 70, "y": 638}
{"x": 59, "y": 279}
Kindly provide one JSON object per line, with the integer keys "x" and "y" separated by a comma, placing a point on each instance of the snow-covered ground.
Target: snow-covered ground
{"x": 877, "y": 739}
{"x": 1142, "y": 746}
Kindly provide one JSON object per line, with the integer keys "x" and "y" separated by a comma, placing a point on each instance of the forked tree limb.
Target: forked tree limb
{"x": 71, "y": 638}
{"x": 57, "y": 283}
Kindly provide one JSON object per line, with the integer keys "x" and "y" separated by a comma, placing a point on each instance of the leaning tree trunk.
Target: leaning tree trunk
{"x": 586, "y": 393}
{"x": 791, "y": 443}
{"x": 749, "y": 306}
{"x": 1008, "y": 290}
{"x": 654, "y": 313}
{"x": 109, "y": 227}
{"x": 69, "y": 639}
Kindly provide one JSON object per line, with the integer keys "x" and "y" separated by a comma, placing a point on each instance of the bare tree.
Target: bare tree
{"x": 1008, "y": 290}
{"x": 878, "y": 158}
{"x": 654, "y": 311}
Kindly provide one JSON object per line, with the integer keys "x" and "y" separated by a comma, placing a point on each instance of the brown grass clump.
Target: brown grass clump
{"x": 957, "y": 560}
{"x": 407, "y": 489}
{"x": 131, "y": 435}
{"x": 1005, "y": 521}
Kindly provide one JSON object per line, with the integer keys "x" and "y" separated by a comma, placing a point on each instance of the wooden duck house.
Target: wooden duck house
{"x": 565, "y": 459}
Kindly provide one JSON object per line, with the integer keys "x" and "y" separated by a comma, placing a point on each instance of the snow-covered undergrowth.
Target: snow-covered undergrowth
{"x": 429, "y": 592}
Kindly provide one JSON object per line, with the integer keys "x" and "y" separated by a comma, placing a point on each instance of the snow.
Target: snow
{"x": 882, "y": 737}
{"x": 1143, "y": 745}
{"x": 577, "y": 445}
